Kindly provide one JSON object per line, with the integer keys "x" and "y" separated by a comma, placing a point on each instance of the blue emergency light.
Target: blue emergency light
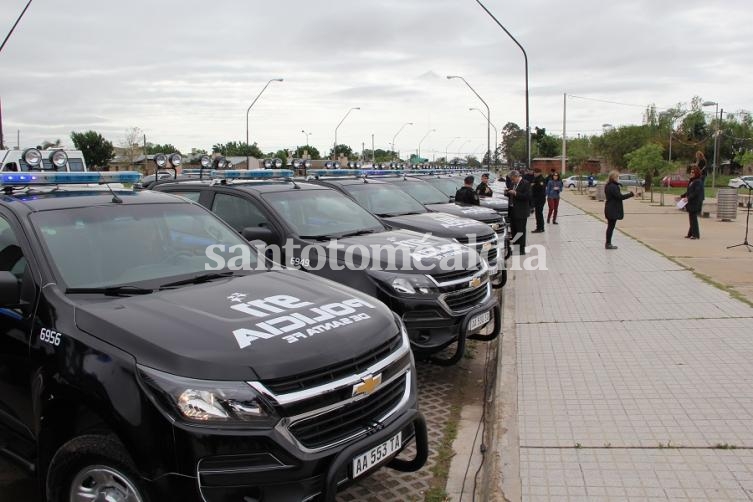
{"x": 67, "y": 178}
{"x": 429, "y": 171}
{"x": 381, "y": 172}
{"x": 252, "y": 174}
{"x": 321, "y": 173}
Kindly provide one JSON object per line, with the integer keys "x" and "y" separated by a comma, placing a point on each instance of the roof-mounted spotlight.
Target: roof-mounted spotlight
{"x": 267, "y": 163}
{"x": 277, "y": 163}
{"x": 220, "y": 163}
{"x": 336, "y": 164}
{"x": 160, "y": 160}
{"x": 358, "y": 165}
{"x": 328, "y": 165}
{"x": 297, "y": 163}
{"x": 175, "y": 159}
{"x": 59, "y": 159}
{"x": 229, "y": 165}
{"x": 205, "y": 162}
{"x": 32, "y": 157}
{"x": 306, "y": 164}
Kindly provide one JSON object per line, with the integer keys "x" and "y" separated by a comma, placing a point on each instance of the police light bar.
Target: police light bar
{"x": 334, "y": 172}
{"x": 429, "y": 171}
{"x": 68, "y": 178}
{"x": 252, "y": 174}
{"x": 381, "y": 172}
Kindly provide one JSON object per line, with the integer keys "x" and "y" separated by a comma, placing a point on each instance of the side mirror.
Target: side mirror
{"x": 452, "y": 198}
{"x": 10, "y": 290}
{"x": 264, "y": 234}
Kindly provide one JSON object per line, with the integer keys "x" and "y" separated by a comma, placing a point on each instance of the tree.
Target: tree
{"x": 96, "y": 149}
{"x": 132, "y": 148}
{"x": 167, "y": 148}
{"x": 238, "y": 149}
{"x": 343, "y": 150}
{"x": 548, "y": 146}
{"x": 46, "y": 145}
{"x": 648, "y": 160}
{"x": 579, "y": 150}
{"x": 472, "y": 161}
{"x": 312, "y": 151}
{"x": 379, "y": 155}
{"x": 513, "y": 143}
{"x": 615, "y": 143}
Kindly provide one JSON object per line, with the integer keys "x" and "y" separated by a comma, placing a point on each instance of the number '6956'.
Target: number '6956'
{"x": 49, "y": 336}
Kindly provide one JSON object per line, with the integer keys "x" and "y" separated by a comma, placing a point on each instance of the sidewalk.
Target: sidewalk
{"x": 633, "y": 376}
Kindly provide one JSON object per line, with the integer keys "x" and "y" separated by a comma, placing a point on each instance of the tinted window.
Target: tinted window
{"x": 321, "y": 213}
{"x": 423, "y": 192}
{"x": 237, "y": 212}
{"x": 130, "y": 243}
{"x": 192, "y": 196}
{"x": 384, "y": 200}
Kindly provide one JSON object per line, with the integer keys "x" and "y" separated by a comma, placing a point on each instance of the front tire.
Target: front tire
{"x": 93, "y": 467}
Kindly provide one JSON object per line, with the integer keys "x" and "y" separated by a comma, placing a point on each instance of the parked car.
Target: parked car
{"x": 675, "y": 180}
{"x": 740, "y": 182}
{"x": 573, "y": 181}
{"x": 630, "y": 180}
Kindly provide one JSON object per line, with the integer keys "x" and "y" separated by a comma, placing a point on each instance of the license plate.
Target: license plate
{"x": 479, "y": 321}
{"x": 367, "y": 460}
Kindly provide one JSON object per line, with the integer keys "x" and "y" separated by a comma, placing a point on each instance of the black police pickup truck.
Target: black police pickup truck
{"x": 130, "y": 373}
{"x": 399, "y": 210}
{"x": 320, "y": 230}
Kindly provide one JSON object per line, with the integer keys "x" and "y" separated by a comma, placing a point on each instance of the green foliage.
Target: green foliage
{"x": 548, "y": 146}
{"x": 615, "y": 143}
{"x": 513, "y": 143}
{"x": 312, "y": 151}
{"x": 472, "y": 161}
{"x": 745, "y": 158}
{"x": 647, "y": 160}
{"x": 380, "y": 155}
{"x": 238, "y": 149}
{"x": 96, "y": 149}
{"x": 579, "y": 150}
{"x": 343, "y": 150}
{"x": 167, "y": 148}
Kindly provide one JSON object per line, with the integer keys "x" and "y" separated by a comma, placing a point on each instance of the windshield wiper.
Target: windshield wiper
{"x": 197, "y": 279}
{"x": 320, "y": 238}
{"x": 359, "y": 232}
{"x": 123, "y": 290}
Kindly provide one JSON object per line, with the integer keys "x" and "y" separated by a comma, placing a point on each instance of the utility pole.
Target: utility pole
{"x": 373, "y": 152}
{"x": 564, "y": 134}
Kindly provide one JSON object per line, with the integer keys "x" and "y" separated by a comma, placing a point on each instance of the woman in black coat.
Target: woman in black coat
{"x": 694, "y": 195}
{"x": 613, "y": 208}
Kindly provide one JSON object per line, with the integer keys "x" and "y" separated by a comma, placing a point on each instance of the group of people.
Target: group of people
{"x": 530, "y": 192}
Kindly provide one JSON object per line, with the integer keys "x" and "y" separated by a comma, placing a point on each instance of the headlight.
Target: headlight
{"x": 160, "y": 159}
{"x": 32, "y": 157}
{"x": 59, "y": 159}
{"x": 406, "y": 284}
{"x": 175, "y": 159}
{"x": 209, "y": 402}
{"x": 205, "y": 161}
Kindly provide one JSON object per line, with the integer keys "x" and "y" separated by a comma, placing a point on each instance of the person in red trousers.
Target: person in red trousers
{"x": 553, "y": 190}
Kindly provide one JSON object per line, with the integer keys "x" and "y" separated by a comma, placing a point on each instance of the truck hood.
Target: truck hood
{"x": 496, "y": 203}
{"x": 441, "y": 225}
{"x": 484, "y": 214}
{"x": 261, "y": 326}
{"x": 407, "y": 251}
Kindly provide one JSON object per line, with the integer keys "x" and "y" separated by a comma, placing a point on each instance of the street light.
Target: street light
{"x": 488, "y": 114}
{"x": 334, "y": 155}
{"x": 525, "y": 57}
{"x": 446, "y": 159}
{"x": 490, "y": 123}
{"x": 395, "y": 136}
{"x": 422, "y": 140}
{"x": 307, "y": 136}
{"x": 716, "y": 139}
{"x": 249, "y": 110}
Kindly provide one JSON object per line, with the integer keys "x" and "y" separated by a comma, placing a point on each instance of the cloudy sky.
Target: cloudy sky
{"x": 185, "y": 71}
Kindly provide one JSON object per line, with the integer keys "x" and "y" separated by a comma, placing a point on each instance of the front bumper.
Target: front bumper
{"x": 232, "y": 468}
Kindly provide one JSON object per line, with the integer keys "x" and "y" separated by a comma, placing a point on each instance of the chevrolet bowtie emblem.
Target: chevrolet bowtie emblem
{"x": 368, "y": 385}
{"x": 475, "y": 282}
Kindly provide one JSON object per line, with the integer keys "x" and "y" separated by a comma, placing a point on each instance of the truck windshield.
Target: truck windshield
{"x": 322, "y": 213}
{"x": 127, "y": 244}
{"x": 384, "y": 200}
{"x": 447, "y": 186}
{"x": 422, "y": 191}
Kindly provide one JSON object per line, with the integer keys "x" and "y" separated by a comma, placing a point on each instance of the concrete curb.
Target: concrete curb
{"x": 501, "y": 475}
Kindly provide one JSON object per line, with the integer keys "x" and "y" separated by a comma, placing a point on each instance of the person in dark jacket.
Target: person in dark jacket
{"x": 518, "y": 196}
{"x": 466, "y": 194}
{"x": 694, "y": 195}
{"x": 538, "y": 194}
{"x": 554, "y": 188}
{"x": 483, "y": 189}
{"x": 613, "y": 210}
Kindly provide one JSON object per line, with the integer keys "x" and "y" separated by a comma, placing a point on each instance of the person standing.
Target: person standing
{"x": 483, "y": 190}
{"x": 613, "y": 210}
{"x": 553, "y": 190}
{"x": 538, "y": 194}
{"x": 694, "y": 196}
{"x": 466, "y": 194}
{"x": 518, "y": 196}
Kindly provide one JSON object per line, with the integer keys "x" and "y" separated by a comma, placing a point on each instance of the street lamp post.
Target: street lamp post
{"x": 249, "y": 110}
{"x": 716, "y": 139}
{"x": 525, "y": 57}
{"x": 496, "y": 137}
{"x": 446, "y": 159}
{"x": 307, "y": 136}
{"x": 334, "y": 154}
{"x": 395, "y": 137}
{"x": 488, "y": 114}
{"x": 422, "y": 140}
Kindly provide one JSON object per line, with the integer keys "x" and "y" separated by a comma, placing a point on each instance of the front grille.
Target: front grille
{"x": 350, "y": 420}
{"x": 466, "y": 299}
{"x": 453, "y": 275}
{"x": 334, "y": 372}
